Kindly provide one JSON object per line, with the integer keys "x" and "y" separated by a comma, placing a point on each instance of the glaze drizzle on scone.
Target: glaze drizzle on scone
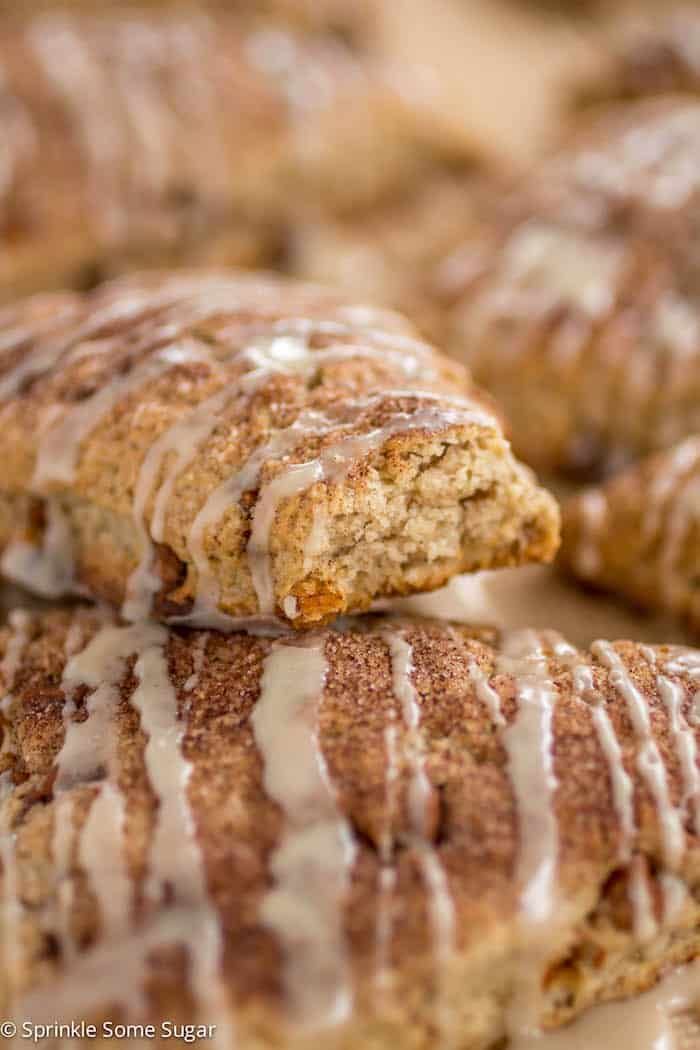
{"x": 265, "y": 882}
{"x": 218, "y": 448}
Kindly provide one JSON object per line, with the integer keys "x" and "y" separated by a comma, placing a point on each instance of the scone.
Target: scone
{"x": 579, "y": 311}
{"x": 639, "y": 535}
{"x": 386, "y": 253}
{"x": 387, "y": 834}
{"x": 240, "y": 446}
{"x": 178, "y": 136}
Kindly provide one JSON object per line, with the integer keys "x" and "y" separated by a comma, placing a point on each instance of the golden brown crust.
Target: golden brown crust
{"x": 579, "y": 313}
{"x": 291, "y": 453}
{"x": 592, "y": 951}
{"x": 639, "y": 535}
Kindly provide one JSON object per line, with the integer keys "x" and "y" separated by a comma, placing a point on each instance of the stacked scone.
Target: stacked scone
{"x": 228, "y": 800}
{"x": 372, "y": 829}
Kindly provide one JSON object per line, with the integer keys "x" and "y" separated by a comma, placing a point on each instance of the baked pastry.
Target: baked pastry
{"x": 579, "y": 311}
{"x": 387, "y": 253}
{"x": 219, "y": 127}
{"x": 648, "y": 54}
{"x": 476, "y": 833}
{"x": 639, "y": 535}
{"x": 236, "y": 445}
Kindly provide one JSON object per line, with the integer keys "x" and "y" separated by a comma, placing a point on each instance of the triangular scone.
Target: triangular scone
{"x": 579, "y": 313}
{"x": 247, "y": 446}
{"x": 435, "y": 833}
{"x": 639, "y": 535}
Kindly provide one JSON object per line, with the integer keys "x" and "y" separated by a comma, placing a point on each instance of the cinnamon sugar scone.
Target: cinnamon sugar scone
{"x": 580, "y": 311}
{"x": 396, "y": 833}
{"x": 235, "y": 445}
{"x": 156, "y": 138}
{"x": 385, "y": 253}
{"x": 639, "y": 535}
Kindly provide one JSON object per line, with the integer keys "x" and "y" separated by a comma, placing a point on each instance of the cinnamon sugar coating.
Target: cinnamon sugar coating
{"x": 591, "y": 950}
{"x": 639, "y": 535}
{"x": 579, "y": 310}
{"x": 240, "y": 445}
{"x": 222, "y": 125}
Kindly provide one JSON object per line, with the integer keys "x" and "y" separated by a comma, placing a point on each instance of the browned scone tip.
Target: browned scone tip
{"x": 238, "y": 445}
{"x": 639, "y": 535}
{"x": 472, "y": 820}
{"x": 579, "y": 310}
{"x": 223, "y": 124}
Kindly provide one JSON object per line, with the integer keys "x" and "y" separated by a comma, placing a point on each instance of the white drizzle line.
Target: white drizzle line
{"x": 686, "y": 663}
{"x": 88, "y": 751}
{"x": 649, "y": 760}
{"x": 332, "y": 464}
{"x": 620, "y": 780}
{"x": 646, "y": 926}
{"x": 685, "y": 744}
{"x": 528, "y": 743}
{"x": 593, "y": 510}
{"x": 176, "y": 863}
{"x": 284, "y": 349}
{"x": 59, "y": 447}
{"x": 312, "y": 864}
{"x": 47, "y": 570}
{"x": 440, "y": 902}
{"x": 199, "y": 650}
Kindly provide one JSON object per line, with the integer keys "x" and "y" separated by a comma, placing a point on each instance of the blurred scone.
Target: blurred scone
{"x": 477, "y": 833}
{"x": 173, "y": 136}
{"x": 580, "y": 311}
{"x": 639, "y": 535}
{"x": 244, "y": 445}
{"x": 387, "y": 253}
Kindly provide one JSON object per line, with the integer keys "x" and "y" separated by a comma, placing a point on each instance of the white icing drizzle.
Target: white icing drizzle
{"x": 60, "y": 442}
{"x": 285, "y": 348}
{"x": 660, "y": 1019}
{"x": 199, "y": 650}
{"x": 620, "y": 780}
{"x": 528, "y": 743}
{"x": 593, "y": 508}
{"x": 48, "y": 569}
{"x": 176, "y": 864}
{"x": 646, "y": 926}
{"x": 311, "y": 866}
{"x": 332, "y": 464}
{"x": 89, "y": 752}
{"x": 649, "y": 760}
{"x": 440, "y": 902}
{"x": 673, "y": 696}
